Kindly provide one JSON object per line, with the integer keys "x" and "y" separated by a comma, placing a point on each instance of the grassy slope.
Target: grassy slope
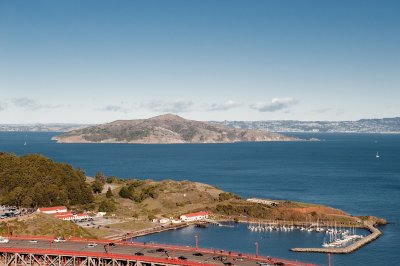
{"x": 43, "y": 224}
{"x": 178, "y": 197}
{"x": 173, "y": 199}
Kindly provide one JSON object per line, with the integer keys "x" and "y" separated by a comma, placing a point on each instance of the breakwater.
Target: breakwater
{"x": 374, "y": 234}
{"x": 154, "y": 230}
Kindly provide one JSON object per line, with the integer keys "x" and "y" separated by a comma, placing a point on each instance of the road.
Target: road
{"x": 148, "y": 250}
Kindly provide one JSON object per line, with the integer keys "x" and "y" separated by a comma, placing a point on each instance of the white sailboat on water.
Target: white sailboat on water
{"x": 377, "y": 155}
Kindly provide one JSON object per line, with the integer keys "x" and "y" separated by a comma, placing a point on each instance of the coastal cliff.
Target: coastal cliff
{"x": 167, "y": 128}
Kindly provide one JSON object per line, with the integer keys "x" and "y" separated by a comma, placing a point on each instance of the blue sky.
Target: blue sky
{"x": 98, "y": 61}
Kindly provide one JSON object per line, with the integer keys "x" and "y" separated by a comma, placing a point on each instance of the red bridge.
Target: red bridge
{"x": 41, "y": 251}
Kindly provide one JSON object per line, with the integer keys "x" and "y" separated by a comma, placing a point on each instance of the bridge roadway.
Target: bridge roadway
{"x": 171, "y": 253}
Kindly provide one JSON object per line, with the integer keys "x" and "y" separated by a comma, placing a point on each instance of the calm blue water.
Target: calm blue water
{"x": 341, "y": 171}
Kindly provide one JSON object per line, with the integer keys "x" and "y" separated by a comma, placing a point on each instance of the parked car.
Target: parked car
{"x": 262, "y": 263}
{"x": 4, "y": 240}
{"x": 139, "y": 254}
{"x": 91, "y": 245}
{"x": 198, "y": 254}
{"x": 160, "y": 250}
{"x": 33, "y": 241}
{"x": 220, "y": 258}
{"x": 182, "y": 258}
{"x": 59, "y": 240}
{"x": 112, "y": 244}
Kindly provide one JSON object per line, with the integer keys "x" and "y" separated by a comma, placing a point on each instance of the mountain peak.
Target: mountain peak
{"x": 168, "y": 116}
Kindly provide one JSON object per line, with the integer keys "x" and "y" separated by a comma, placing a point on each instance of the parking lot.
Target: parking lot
{"x": 12, "y": 211}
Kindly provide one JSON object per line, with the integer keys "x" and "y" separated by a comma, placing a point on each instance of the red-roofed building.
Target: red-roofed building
{"x": 197, "y": 216}
{"x": 52, "y": 210}
{"x": 60, "y": 214}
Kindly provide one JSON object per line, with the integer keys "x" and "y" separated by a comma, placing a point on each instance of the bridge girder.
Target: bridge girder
{"x": 30, "y": 259}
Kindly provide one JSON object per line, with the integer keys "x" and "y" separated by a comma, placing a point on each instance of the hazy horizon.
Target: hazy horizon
{"x": 93, "y": 62}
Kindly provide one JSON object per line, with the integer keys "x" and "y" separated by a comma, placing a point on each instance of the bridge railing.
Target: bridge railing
{"x": 99, "y": 255}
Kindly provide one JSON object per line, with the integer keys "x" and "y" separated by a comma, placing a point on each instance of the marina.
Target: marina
{"x": 336, "y": 249}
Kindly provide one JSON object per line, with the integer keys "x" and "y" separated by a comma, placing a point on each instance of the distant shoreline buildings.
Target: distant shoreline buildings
{"x": 384, "y": 125}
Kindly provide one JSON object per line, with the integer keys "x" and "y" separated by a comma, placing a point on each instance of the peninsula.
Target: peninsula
{"x": 166, "y": 129}
{"x": 133, "y": 203}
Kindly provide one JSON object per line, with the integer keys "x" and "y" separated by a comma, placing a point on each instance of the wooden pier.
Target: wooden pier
{"x": 375, "y": 233}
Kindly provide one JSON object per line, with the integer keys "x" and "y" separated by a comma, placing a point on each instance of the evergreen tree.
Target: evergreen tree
{"x": 109, "y": 193}
{"x": 99, "y": 181}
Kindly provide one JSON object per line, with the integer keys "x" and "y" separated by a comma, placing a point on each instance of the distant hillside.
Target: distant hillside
{"x": 383, "y": 125}
{"x": 165, "y": 129}
{"x": 51, "y": 127}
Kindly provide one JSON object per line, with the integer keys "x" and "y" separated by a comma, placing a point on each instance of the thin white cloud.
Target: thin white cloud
{"x": 30, "y": 104}
{"x": 3, "y": 106}
{"x": 176, "y": 106}
{"x": 230, "y": 104}
{"x": 322, "y": 110}
{"x": 277, "y": 104}
{"x": 115, "y": 108}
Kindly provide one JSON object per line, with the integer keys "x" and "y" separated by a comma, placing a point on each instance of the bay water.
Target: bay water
{"x": 341, "y": 171}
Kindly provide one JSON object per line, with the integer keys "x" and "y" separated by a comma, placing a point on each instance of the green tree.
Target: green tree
{"x": 107, "y": 206}
{"x": 99, "y": 181}
{"x": 109, "y": 193}
{"x": 125, "y": 193}
{"x": 111, "y": 179}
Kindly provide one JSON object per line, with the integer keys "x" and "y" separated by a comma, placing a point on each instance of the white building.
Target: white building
{"x": 164, "y": 220}
{"x": 197, "y": 216}
{"x": 263, "y": 201}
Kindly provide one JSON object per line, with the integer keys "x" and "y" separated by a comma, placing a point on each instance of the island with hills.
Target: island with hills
{"x": 167, "y": 128}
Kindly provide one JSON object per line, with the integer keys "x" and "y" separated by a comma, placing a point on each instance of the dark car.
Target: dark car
{"x": 182, "y": 258}
{"x": 198, "y": 254}
{"x": 160, "y": 250}
{"x": 220, "y": 258}
{"x": 227, "y": 263}
{"x": 112, "y": 244}
{"x": 139, "y": 254}
{"x": 279, "y": 263}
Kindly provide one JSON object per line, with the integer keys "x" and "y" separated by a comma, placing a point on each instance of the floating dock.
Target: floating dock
{"x": 375, "y": 233}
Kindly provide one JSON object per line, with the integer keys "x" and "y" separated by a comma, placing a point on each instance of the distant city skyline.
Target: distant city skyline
{"x": 99, "y": 61}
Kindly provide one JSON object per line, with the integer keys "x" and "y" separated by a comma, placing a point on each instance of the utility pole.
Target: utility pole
{"x": 329, "y": 259}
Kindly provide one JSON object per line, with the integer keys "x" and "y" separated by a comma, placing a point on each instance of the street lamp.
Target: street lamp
{"x": 197, "y": 241}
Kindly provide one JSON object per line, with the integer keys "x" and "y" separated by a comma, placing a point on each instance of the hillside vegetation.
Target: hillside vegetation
{"x": 35, "y": 181}
{"x": 166, "y": 129}
{"x": 43, "y": 225}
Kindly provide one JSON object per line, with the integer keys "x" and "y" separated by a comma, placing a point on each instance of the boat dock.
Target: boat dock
{"x": 150, "y": 231}
{"x": 375, "y": 233}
